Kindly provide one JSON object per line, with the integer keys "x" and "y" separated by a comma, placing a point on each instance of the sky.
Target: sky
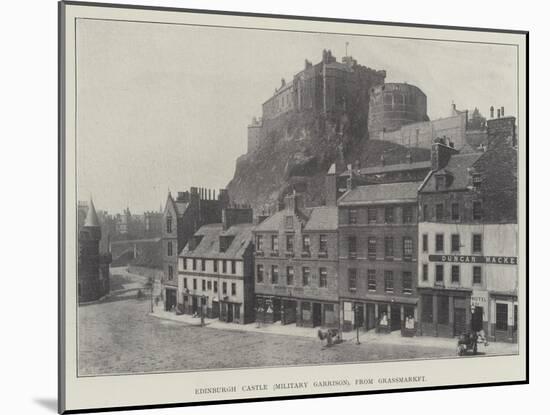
{"x": 166, "y": 107}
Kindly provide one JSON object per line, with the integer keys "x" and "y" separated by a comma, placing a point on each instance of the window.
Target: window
{"x": 209, "y": 285}
{"x": 388, "y": 246}
{"x": 289, "y": 275}
{"x": 407, "y": 248}
{"x": 184, "y": 261}
{"x": 203, "y": 283}
{"x": 274, "y": 274}
{"x": 477, "y": 212}
{"x": 455, "y": 273}
{"x": 194, "y": 264}
{"x": 477, "y": 275}
{"x": 352, "y": 247}
{"x": 352, "y": 279}
{"x": 476, "y": 181}
{"x": 426, "y": 213}
{"x": 224, "y": 266}
{"x": 407, "y": 214}
{"x": 427, "y": 308}
{"x": 425, "y": 242}
{"x": 439, "y": 182}
{"x": 169, "y": 224}
{"x": 306, "y": 243}
{"x": 371, "y": 280}
{"x": 185, "y": 283}
{"x": 439, "y": 273}
{"x": 439, "y": 242}
{"x": 275, "y": 243}
{"x": 194, "y": 283}
{"x": 477, "y": 245}
{"x": 305, "y": 276}
{"x": 322, "y": 277}
{"x": 388, "y": 281}
{"x": 233, "y": 267}
{"x": 439, "y": 212}
{"x": 259, "y": 243}
{"x": 170, "y": 248}
{"x": 388, "y": 215}
{"x": 352, "y": 216}
{"x": 455, "y": 215}
{"x": 233, "y": 288}
{"x": 203, "y": 265}
{"x": 289, "y": 222}
{"x": 455, "y": 242}
{"x": 215, "y": 265}
{"x": 290, "y": 243}
{"x": 372, "y": 215}
{"x": 443, "y": 309}
{"x": 323, "y": 243}
{"x": 260, "y": 273}
{"x": 407, "y": 282}
{"x": 424, "y": 272}
{"x": 215, "y": 286}
{"x": 502, "y": 316}
{"x": 224, "y": 287}
{"x": 371, "y": 247}
{"x": 170, "y": 272}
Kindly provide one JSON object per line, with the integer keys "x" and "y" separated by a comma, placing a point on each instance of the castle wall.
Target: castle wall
{"x": 422, "y": 134}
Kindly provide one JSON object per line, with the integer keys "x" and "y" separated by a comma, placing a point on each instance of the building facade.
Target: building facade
{"x": 377, "y": 231}
{"x": 216, "y": 270}
{"x": 182, "y": 217}
{"x": 296, "y": 266}
{"x": 467, "y": 267}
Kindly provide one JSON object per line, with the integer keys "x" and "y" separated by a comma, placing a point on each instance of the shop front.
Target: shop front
{"x": 504, "y": 318}
{"x": 170, "y": 298}
{"x": 383, "y": 315}
{"x": 302, "y": 312}
{"x": 446, "y": 313}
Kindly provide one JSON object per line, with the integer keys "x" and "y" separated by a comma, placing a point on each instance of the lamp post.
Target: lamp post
{"x": 356, "y": 319}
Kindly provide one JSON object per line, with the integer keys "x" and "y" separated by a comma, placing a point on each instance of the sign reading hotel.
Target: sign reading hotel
{"x": 475, "y": 259}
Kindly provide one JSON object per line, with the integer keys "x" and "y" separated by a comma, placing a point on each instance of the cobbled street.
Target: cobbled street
{"x": 118, "y": 335}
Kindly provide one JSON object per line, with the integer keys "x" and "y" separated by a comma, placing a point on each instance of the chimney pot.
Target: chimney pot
{"x": 492, "y": 111}
{"x": 498, "y": 112}
{"x": 502, "y": 111}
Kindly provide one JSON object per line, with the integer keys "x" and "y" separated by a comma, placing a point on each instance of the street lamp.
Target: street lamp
{"x": 356, "y": 319}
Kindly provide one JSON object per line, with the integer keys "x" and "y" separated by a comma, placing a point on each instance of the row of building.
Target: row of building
{"x": 428, "y": 248}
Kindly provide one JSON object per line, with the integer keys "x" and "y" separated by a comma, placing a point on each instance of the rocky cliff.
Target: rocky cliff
{"x": 296, "y": 153}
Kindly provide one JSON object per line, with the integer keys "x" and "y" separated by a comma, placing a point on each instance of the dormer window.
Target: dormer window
{"x": 289, "y": 222}
{"x": 476, "y": 181}
{"x": 225, "y": 242}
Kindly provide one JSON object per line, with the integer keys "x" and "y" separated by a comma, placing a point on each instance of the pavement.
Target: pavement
{"x": 369, "y": 337}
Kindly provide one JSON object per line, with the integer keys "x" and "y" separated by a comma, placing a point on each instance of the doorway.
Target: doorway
{"x": 316, "y": 318}
{"x": 477, "y": 319}
{"x": 395, "y": 317}
{"x": 371, "y": 318}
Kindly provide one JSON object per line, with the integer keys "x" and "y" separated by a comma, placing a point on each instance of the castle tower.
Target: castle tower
{"x": 89, "y": 284}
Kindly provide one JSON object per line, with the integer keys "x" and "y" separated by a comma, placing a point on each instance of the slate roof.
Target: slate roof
{"x": 179, "y": 206}
{"x": 396, "y": 167}
{"x": 381, "y": 193}
{"x": 457, "y": 172}
{"x": 320, "y": 218}
{"x": 209, "y": 246}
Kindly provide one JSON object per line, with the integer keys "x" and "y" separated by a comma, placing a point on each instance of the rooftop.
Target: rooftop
{"x": 381, "y": 193}
{"x": 320, "y": 218}
{"x": 209, "y": 246}
{"x": 456, "y": 170}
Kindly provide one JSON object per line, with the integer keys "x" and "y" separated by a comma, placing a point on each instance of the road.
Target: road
{"x": 118, "y": 335}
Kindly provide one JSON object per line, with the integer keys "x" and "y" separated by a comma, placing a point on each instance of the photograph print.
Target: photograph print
{"x": 265, "y": 197}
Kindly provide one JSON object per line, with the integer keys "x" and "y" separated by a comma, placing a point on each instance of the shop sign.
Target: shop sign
{"x": 475, "y": 259}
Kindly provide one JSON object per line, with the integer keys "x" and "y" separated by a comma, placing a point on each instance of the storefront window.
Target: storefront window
{"x": 502, "y": 317}
{"x": 427, "y": 308}
{"x": 443, "y": 309}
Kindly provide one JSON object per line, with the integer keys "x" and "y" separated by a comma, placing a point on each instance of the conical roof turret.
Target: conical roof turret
{"x": 91, "y": 216}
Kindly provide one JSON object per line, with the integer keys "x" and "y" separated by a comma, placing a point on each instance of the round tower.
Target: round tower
{"x": 89, "y": 285}
{"x": 393, "y": 105}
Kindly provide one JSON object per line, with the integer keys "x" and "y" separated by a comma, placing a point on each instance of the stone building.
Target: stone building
{"x": 254, "y": 134}
{"x": 296, "y": 261}
{"x": 183, "y": 216}
{"x": 377, "y": 232}
{"x": 467, "y": 267}
{"x": 216, "y": 269}
{"x": 93, "y": 265}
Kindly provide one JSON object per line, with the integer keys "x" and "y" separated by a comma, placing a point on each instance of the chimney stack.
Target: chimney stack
{"x": 498, "y": 112}
{"x": 492, "y": 112}
{"x": 501, "y": 130}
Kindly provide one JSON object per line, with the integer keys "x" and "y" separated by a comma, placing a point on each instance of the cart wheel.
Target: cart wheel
{"x": 459, "y": 351}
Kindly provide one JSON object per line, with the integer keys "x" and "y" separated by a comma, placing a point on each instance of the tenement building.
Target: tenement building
{"x": 182, "y": 217}
{"x": 467, "y": 234}
{"x": 377, "y": 231}
{"x": 296, "y": 265}
{"x": 216, "y": 270}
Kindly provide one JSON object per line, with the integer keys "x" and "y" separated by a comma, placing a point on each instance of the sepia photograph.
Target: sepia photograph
{"x": 253, "y": 196}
